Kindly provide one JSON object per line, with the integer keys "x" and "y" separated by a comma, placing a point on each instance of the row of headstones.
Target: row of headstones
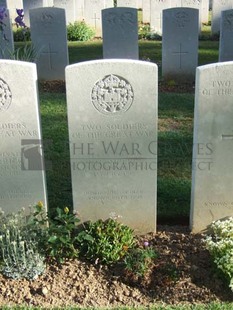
{"x": 112, "y": 117}
{"x": 90, "y": 10}
{"x": 120, "y": 40}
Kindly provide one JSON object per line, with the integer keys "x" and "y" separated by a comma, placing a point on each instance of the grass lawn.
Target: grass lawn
{"x": 175, "y": 134}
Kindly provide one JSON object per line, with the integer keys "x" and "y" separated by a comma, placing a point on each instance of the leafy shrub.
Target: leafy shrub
{"x": 19, "y": 247}
{"x": 80, "y": 31}
{"x": 105, "y": 241}
{"x": 138, "y": 260}
{"x": 22, "y": 34}
{"x": 220, "y": 246}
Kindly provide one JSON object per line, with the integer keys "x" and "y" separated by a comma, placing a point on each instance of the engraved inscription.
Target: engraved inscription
{"x": 181, "y": 19}
{"x": 114, "y": 19}
{"x": 228, "y": 21}
{"x": 47, "y": 19}
{"x": 219, "y": 88}
{"x": 5, "y": 96}
{"x": 112, "y": 95}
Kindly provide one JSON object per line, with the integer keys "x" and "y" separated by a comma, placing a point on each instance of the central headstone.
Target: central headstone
{"x": 48, "y": 33}
{"x": 120, "y": 33}
{"x": 212, "y": 196}
{"x": 180, "y": 44}
{"x": 22, "y": 175}
{"x": 112, "y": 116}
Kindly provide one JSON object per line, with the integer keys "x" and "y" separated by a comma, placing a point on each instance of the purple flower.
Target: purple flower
{"x": 2, "y": 13}
{"x": 146, "y": 244}
{"x": 19, "y": 19}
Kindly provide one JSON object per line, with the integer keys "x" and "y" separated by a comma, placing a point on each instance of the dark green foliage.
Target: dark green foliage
{"x": 105, "y": 241}
{"x": 80, "y": 31}
{"x": 22, "y": 34}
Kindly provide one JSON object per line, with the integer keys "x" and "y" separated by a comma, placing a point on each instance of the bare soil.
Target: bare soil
{"x": 182, "y": 273}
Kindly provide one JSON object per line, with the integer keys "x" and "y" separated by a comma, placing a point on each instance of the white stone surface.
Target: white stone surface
{"x": 127, "y": 3}
{"x": 180, "y": 44}
{"x": 156, "y": 18}
{"x": 226, "y": 35}
{"x": 146, "y": 11}
{"x": 112, "y": 116}
{"x": 212, "y": 178}
{"x": 48, "y": 33}
{"x": 217, "y": 7}
{"x": 120, "y": 33}
{"x": 22, "y": 174}
{"x": 70, "y": 8}
{"x": 92, "y": 14}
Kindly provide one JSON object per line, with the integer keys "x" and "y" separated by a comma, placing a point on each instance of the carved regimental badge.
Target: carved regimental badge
{"x": 112, "y": 95}
{"x": 5, "y": 96}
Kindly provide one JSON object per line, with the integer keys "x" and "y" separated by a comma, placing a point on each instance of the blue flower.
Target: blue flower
{"x": 19, "y": 19}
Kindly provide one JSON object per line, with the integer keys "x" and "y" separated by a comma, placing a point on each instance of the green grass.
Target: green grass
{"x": 211, "y": 306}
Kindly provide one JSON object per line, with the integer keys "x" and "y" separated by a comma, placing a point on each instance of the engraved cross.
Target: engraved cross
{"x": 180, "y": 53}
{"x": 49, "y": 52}
{"x": 227, "y": 137}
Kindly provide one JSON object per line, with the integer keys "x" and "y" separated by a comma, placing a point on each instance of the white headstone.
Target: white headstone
{"x": 146, "y": 11}
{"x": 226, "y": 35}
{"x": 212, "y": 177}
{"x": 92, "y": 14}
{"x": 205, "y": 11}
{"x": 112, "y": 116}
{"x": 48, "y": 33}
{"x": 22, "y": 172}
{"x": 6, "y": 36}
{"x": 156, "y": 18}
{"x": 127, "y": 3}
{"x": 28, "y": 5}
{"x": 180, "y": 44}
{"x": 70, "y": 8}
{"x": 80, "y": 9}
{"x": 120, "y": 33}
{"x": 218, "y": 7}
{"x": 109, "y": 4}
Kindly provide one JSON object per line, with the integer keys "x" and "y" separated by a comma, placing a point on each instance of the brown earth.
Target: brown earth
{"x": 182, "y": 273}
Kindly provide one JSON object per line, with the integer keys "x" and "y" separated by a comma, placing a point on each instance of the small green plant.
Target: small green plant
{"x": 105, "y": 241}
{"x": 143, "y": 31}
{"x": 220, "y": 246}
{"x": 80, "y": 31}
{"x": 61, "y": 235}
{"x": 20, "y": 257}
{"x": 28, "y": 52}
{"x": 139, "y": 260}
{"x": 21, "y": 34}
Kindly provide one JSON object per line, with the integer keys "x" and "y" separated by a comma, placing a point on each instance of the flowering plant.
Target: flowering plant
{"x": 220, "y": 246}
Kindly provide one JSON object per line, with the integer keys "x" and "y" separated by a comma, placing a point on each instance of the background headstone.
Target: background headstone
{"x": 127, "y": 3}
{"x": 22, "y": 172}
{"x": 156, "y": 18}
{"x": 92, "y": 14}
{"x": 226, "y": 36}
{"x": 80, "y": 9}
{"x": 112, "y": 117}
{"x": 120, "y": 33}
{"x": 48, "y": 33}
{"x": 217, "y": 7}
{"x": 212, "y": 177}
{"x": 205, "y": 11}
{"x": 6, "y": 37}
{"x": 28, "y": 5}
{"x": 146, "y": 11}
{"x": 70, "y": 9}
{"x": 180, "y": 44}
